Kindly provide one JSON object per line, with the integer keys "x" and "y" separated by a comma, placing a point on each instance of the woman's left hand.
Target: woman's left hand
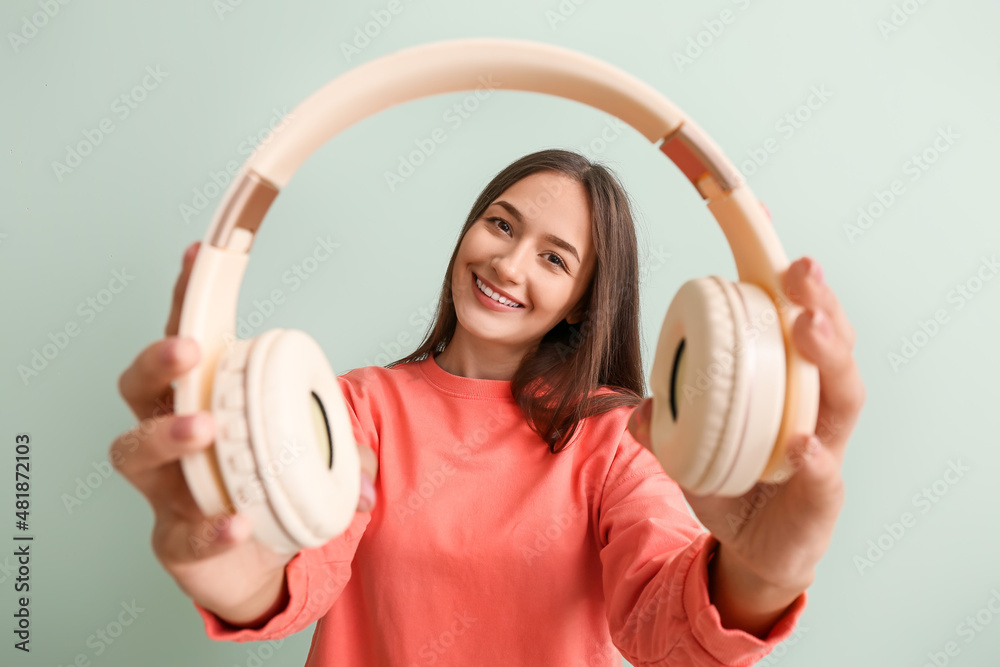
{"x": 779, "y": 532}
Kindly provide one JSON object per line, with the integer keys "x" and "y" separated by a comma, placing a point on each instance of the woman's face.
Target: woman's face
{"x": 510, "y": 248}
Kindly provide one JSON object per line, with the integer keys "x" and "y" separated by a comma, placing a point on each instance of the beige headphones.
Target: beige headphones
{"x": 729, "y": 388}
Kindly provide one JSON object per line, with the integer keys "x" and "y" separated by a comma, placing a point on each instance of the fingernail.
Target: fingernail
{"x": 821, "y": 323}
{"x": 237, "y": 528}
{"x": 816, "y": 271}
{"x": 367, "y": 501}
{"x": 177, "y": 349}
{"x": 191, "y": 426}
{"x": 169, "y": 352}
{"x": 182, "y": 427}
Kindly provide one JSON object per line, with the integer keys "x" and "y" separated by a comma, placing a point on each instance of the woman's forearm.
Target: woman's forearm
{"x": 743, "y": 600}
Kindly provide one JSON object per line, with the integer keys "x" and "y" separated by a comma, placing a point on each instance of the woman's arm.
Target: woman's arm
{"x": 744, "y": 601}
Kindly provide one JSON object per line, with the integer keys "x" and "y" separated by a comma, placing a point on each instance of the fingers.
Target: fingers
{"x": 140, "y": 453}
{"x": 826, "y": 338}
{"x": 805, "y": 286}
{"x": 178, "y": 542}
{"x": 842, "y": 392}
{"x": 369, "y": 462}
{"x": 145, "y": 385}
{"x": 819, "y": 486}
{"x": 369, "y": 469}
{"x": 174, "y": 319}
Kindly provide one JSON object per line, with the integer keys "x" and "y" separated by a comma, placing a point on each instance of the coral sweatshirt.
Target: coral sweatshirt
{"x": 486, "y": 549}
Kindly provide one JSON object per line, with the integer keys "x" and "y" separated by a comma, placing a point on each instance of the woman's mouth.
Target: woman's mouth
{"x": 492, "y": 302}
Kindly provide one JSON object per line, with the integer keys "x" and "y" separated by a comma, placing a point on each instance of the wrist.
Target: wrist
{"x": 745, "y": 600}
{"x": 259, "y": 608}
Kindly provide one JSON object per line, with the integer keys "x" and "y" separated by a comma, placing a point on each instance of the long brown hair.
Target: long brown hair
{"x": 555, "y": 385}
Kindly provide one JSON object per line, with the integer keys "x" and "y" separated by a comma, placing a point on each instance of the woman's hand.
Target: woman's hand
{"x": 213, "y": 559}
{"x": 778, "y": 532}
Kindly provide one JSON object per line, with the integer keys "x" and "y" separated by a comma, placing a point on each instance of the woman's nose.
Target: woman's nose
{"x": 509, "y": 266}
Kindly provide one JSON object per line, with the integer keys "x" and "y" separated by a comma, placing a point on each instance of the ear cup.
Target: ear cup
{"x": 718, "y": 384}
{"x": 285, "y": 443}
{"x": 237, "y": 462}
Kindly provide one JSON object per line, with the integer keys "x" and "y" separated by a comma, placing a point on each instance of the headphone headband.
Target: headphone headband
{"x": 209, "y": 309}
{"x": 456, "y": 66}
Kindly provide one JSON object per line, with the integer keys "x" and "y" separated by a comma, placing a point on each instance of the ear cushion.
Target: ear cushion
{"x": 295, "y": 430}
{"x": 237, "y": 463}
{"x": 718, "y": 383}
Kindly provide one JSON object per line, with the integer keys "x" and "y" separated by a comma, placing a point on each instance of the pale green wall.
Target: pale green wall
{"x": 226, "y": 75}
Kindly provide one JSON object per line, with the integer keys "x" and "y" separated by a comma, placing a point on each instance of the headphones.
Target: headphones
{"x": 729, "y": 388}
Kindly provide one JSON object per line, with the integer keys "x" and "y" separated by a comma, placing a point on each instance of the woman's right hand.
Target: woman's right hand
{"x": 214, "y": 559}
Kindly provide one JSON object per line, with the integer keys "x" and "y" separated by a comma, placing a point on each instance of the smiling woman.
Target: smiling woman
{"x": 552, "y": 233}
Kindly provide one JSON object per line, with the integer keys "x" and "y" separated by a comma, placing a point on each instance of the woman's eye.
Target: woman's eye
{"x": 500, "y": 221}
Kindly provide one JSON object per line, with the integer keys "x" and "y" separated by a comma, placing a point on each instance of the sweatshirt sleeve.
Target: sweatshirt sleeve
{"x": 654, "y": 556}
{"x": 315, "y": 577}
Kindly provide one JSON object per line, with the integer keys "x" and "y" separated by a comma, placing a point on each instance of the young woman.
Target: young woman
{"x": 521, "y": 519}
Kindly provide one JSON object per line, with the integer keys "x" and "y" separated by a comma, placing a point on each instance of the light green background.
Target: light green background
{"x": 226, "y": 73}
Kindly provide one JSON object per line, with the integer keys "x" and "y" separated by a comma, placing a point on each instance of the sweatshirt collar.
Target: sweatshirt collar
{"x": 463, "y": 387}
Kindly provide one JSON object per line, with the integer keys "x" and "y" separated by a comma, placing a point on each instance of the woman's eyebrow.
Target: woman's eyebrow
{"x": 551, "y": 238}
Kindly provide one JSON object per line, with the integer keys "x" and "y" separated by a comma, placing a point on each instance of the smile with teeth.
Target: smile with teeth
{"x": 496, "y": 297}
